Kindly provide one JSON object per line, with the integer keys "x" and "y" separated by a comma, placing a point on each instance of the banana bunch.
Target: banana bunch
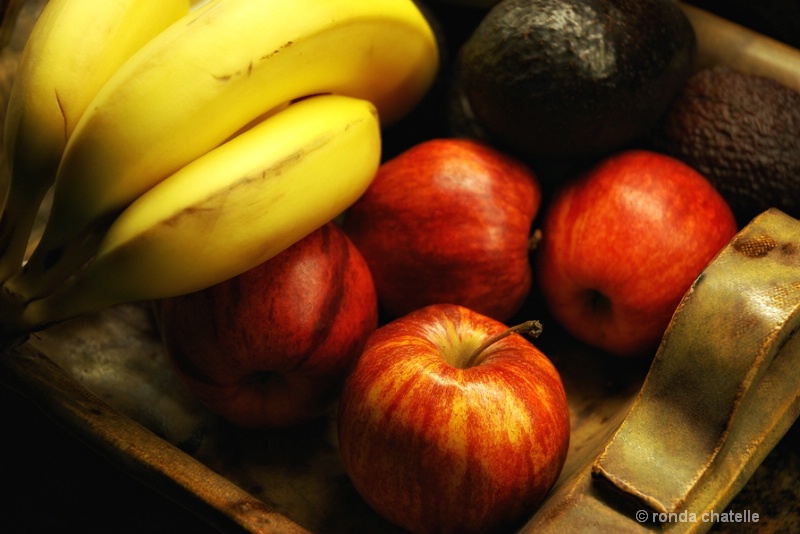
{"x": 214, "y": 142}
{"x": 62, "y": 67}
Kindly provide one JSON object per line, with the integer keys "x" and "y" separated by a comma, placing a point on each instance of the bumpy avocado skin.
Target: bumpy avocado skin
{"x": 743, "y": 133}
{"x": 560, "y": 78}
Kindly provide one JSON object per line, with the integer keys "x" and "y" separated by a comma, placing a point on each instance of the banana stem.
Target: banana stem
{"x": 18, "y": 319}
{"x": 16, "y": 226}
{"x": 69, "y": 300}
{"x": 38, "y": 279}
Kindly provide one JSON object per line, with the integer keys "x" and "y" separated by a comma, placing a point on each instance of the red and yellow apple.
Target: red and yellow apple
{"x": 447, "y": 426}
{"x": 622, "y": 244}
{"x": 448, "y": 221}
{"x": 272, "y": 346}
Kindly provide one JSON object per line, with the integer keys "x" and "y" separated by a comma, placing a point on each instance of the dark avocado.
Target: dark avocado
{"x": 742, "y": 132}
{"x": 566, "y": 78}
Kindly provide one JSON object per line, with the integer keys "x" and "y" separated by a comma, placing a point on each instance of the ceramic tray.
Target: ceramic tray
{"x": 682, "y": 432}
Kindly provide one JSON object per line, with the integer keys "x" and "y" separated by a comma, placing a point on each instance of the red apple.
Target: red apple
{"x": 623, "y": 243}
{"x": 438, "y": 440}
{"x": 272, "y": 346}
{"x": 448, "y": 220}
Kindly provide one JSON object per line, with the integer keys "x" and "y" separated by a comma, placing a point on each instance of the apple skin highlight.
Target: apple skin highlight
{"x": 448, "y": 220}
{"x": 434, "y": 447}
{"x": 621, "y": 245}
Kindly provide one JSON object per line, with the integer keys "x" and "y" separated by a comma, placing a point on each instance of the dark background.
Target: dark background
{"x": 51, "y": 482}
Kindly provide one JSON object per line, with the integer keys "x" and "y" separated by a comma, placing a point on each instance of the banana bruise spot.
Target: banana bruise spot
{"x": 215, "y": 202}
{"x": 63, "y": 112}
{"x": 251, "y": 66}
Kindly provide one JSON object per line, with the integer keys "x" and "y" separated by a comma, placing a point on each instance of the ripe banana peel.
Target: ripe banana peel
{"x": 62, "y": 67}
{"x": 229, "y": 210}
{"x": 201, "y": 80}
{"x": 228, "y": 136}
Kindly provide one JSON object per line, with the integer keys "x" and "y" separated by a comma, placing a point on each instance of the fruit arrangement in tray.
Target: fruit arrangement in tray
{"x": 474, "y": 247}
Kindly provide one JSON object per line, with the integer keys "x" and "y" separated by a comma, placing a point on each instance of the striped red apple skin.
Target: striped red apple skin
{"x": 434, "y": 447}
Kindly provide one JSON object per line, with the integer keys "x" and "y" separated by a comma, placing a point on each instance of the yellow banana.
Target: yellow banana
{"x": 73, "y": 49}
{"x": 229, "y": 210}
{"x": 203, "y": 79}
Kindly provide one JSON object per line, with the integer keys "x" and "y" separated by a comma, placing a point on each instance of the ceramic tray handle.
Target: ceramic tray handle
{"x": 722, "y": 42}
{"x": 716, "y": 367}
{"x": 722, "y": 390}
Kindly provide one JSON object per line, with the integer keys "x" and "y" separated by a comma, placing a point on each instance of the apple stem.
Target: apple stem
{"x": 533, "y": 328}
{"x": 534, "y": 240}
